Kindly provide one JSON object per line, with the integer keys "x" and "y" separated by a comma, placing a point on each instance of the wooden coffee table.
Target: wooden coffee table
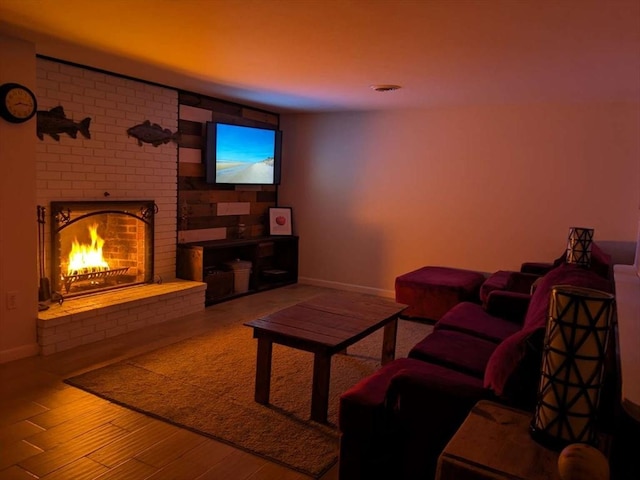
{"x": 323, "y": 325}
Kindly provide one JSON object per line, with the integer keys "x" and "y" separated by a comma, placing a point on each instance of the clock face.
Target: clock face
{"x": 18, "y": 103}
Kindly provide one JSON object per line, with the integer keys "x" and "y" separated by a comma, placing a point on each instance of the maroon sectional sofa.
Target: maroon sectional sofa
{"x": 395, "y": 423}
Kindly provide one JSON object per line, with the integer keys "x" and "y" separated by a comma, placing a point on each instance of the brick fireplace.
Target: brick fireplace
{"x": 110, "y": 169}
{"x": 102, "y": 273}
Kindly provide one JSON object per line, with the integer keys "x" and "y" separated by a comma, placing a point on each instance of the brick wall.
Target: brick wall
{"x": 109, "y": 162}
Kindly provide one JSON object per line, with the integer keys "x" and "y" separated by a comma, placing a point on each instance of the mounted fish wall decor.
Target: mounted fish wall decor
{"x": 152, "y": 133}
{"x": 53, "y": 122}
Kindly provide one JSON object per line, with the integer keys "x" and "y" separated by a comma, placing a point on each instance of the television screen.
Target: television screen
{"x": 237, "y": 154}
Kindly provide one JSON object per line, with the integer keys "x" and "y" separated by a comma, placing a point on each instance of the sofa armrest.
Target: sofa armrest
{"x": 508, "y": 305}
{"x": 536, "y": 268}
{"x": 367, "y": 429}
{"x": 363, "y": 408}
{"x": 429, "y": 404}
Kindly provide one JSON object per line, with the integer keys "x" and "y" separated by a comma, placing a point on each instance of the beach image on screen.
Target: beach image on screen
{"x": 244, "y": 154}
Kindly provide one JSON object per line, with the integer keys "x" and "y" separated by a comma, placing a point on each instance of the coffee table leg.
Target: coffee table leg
{"x": 263, "y": 371}
{"x": 320, "y": 392}
{"x": 389, "y": 341}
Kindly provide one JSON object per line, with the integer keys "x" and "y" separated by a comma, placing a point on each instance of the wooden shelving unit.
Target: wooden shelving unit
{"x": 274, "y": 263}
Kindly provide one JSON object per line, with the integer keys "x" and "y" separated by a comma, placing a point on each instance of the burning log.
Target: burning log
{"x": 93, "y": 276}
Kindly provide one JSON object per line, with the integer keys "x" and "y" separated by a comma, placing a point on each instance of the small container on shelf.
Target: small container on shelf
{"x": 241, "y": 274}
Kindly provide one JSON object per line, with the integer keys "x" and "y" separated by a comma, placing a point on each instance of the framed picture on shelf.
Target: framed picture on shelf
{"x": 280, "y": 221}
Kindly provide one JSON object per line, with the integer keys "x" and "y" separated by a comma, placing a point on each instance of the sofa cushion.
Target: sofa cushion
{"x": 565, "y": 274}
{"x": 513, "y": 371}
{"x": 456, "y": 350}
{"x": 472, "y": 319}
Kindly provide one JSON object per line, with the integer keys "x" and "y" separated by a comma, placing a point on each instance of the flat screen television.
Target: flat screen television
{"x": 242, "y": 155}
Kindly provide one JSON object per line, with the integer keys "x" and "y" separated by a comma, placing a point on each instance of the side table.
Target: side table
{"x": 494, "y": 443}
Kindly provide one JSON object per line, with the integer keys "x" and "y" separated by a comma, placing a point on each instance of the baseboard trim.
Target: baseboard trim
{"x": 379, "y": 292}
{"x": 24, "y": 351}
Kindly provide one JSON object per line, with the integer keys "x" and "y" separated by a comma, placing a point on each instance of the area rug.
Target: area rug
{"x": 206, "y": 384}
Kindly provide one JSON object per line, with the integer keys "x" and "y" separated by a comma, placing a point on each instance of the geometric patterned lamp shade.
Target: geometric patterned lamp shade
{"x": 572, "y": 366}
{"x": 579, "y": 246}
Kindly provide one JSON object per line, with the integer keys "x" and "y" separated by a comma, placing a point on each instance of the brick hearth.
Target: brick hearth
{"x": 87, "y": 319}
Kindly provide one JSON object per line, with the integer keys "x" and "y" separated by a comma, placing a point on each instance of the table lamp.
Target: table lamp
{"x": 579, "y": 246}
{"x": 573, "y": 359}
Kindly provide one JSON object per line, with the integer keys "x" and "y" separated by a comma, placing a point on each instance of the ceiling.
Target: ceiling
{"x": 323, "y": 55}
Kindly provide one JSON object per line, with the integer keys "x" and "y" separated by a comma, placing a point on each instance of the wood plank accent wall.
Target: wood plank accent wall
{"x": 198, "y": 201}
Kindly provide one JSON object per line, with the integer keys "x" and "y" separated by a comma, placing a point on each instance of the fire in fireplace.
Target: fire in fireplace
{"x": 101, "y": 245}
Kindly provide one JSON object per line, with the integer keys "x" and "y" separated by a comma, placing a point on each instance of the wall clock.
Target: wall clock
{"x": 17, "y": 103}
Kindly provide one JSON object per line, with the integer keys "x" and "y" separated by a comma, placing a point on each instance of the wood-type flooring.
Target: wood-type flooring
{"x": 50, "y": 430}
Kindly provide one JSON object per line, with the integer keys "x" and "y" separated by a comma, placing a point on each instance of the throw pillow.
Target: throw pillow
{"x": 513, "y": 370}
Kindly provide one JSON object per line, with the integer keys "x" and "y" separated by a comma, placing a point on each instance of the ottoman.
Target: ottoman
{"x": 431, "y": 291}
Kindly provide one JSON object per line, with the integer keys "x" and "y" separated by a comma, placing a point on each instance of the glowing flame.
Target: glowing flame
{"x": 87, "y": 258}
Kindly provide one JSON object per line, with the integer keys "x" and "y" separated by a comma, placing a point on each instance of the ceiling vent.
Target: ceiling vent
{"x": 385, "y": 88}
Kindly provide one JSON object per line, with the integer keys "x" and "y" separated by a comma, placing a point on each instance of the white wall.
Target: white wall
{"x": 378, "y": 194}
{"x": 18, "y": 266}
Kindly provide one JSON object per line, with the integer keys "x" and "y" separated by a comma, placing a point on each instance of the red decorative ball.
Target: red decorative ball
{"x": 580, "y": 461}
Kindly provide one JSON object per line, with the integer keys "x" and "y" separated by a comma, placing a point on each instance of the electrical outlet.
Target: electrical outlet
{"x": 12, "y": 300}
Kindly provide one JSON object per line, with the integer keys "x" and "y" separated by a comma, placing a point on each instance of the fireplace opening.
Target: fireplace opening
{"x": 101, "y": 245}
